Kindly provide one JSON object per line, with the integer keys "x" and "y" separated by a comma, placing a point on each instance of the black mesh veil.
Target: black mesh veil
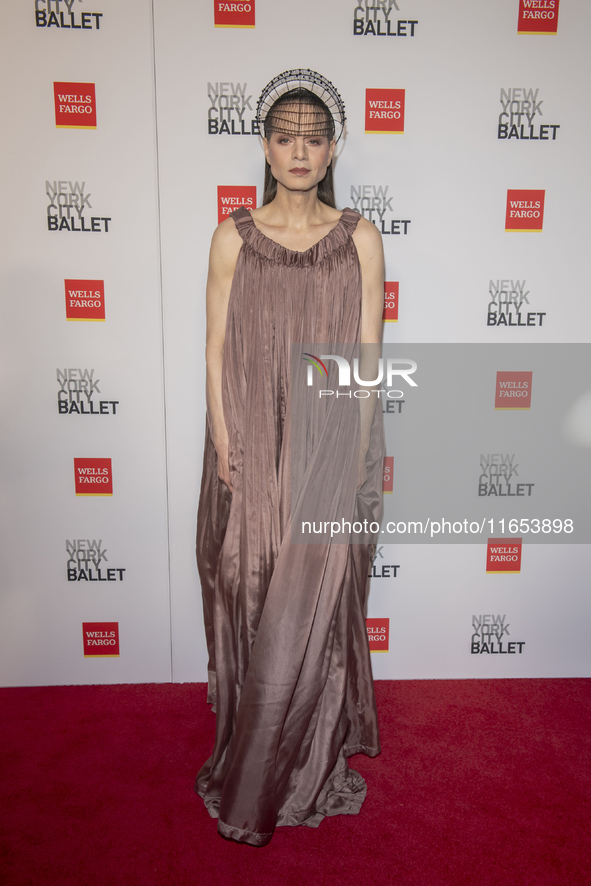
{"x": 301, "y": 102}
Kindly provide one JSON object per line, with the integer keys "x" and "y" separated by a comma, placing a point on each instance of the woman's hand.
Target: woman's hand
{"x": 223, "y": 464}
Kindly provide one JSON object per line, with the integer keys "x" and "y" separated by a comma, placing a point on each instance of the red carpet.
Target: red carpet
{"x": 480, "y": 782}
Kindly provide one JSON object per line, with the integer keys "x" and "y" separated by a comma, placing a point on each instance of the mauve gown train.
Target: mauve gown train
{"x": 289, "y": 666}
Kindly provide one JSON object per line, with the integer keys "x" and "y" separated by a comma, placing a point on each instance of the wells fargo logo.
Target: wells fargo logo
{"x": 75, "y": 105}
{"x": 388, "y": 475}
{"x": 525, "y": 211}
{"x": 503, "y": 555}
{"x": 85, "y": 299}
{"x": 384, "y": 110}
{"x": 538, "y": 17}
{"x": 230, "y": 197}
{"x": 101, "y": 638}
{"x": 228, "y": 14}
{"x": 93, "y": 476}
{"x": 378, "y": 634}
{"x": 513, "y": 390}
{"x": 390, "y": 314}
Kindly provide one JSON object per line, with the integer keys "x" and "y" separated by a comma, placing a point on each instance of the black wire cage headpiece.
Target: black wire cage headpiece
{"x": 297, "y": 111}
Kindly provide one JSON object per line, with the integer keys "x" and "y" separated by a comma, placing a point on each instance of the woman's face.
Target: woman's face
{"x": 298, "y": 162}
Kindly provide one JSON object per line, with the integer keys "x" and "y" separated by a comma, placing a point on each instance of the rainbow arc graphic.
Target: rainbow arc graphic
{"x": 315, "y": 361}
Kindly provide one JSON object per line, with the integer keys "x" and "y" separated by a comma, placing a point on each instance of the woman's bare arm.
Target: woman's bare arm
{"x": 225, "y": 246}
{"x": 368, "y": 241}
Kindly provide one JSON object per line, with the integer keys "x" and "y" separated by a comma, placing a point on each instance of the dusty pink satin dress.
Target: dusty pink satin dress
{"x": 289, "y": 669}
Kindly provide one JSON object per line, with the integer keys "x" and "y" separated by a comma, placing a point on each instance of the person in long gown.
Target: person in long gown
{"x": 289, "y": 669}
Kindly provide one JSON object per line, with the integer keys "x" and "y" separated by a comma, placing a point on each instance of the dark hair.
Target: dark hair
{"x": 272, "y": 124}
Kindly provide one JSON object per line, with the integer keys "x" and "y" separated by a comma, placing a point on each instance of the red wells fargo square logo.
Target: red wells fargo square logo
{"x": 93, "y": 476}
{"x": 232, "y": 14}
{"x": 101, "y": 638}
{"x": 378, "y": 634}
{"x": 388, "y": 474}
{"x": 384, "y": 110}
{"x": 75, "y": 105}
{"x": 525, "y": 211}
{"x": 538, "y": 17}
{"x": 390, "y": 314}
{"x": 230, "y": 197}
{"x": 513, "y": 390}
{"x": 85, "y": 299}
{"x": 503, "y": 555}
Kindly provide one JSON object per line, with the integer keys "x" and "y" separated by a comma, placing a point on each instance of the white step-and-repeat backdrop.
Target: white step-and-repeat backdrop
{"x": 128, "y": 133}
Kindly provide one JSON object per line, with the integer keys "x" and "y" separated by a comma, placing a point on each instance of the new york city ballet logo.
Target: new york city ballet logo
{"x": 233, "y": 13}
{"x": 521, "y": 110}
{"x": 93, "y": 476}
{"x": 87, "y": 562}
{"x": 509, "y": 305}
{"x": 513, "y": 390}
{"x": 75, "y": 105}
{"x": 538, "y": 17}
{"x": 85, "y": 300}
{"x": 231, "y": 110}
{"x": 503, "y": 555}
{"x": 390, "y": 313}
{"x": 382, "y": 570}
{"x": 378, "y": 634}
{"x": 525, "y": 211}
{"x": 376, "y": 18}
{"x": 61, "y": 14}
{"x": 384, "y": 111}
{"x": 374, "y": 204}
{"x": 79, "y": 394}
{"x": 230, "y": 197}
{"x": 490, "y": 636}
{"x": 69, "y": 206}
{"x": 101, "y": 638}
{"x": 500, "y": 477}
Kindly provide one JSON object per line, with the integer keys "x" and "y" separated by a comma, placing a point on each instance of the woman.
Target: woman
{"x": 289, "y": 670}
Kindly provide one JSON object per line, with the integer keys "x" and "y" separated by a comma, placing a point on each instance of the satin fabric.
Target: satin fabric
{"x": 289, "y": 668}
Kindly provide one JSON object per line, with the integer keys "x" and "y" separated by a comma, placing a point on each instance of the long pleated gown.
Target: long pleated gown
{"x": 289, "y": 666}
